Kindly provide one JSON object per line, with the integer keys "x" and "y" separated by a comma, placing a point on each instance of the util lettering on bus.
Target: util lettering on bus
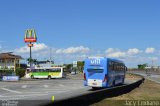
{"x": 96, "y": 61}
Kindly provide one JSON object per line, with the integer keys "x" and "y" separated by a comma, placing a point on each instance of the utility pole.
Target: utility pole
{"x": 50, "y": 58}
{"x": 30, "y": 55}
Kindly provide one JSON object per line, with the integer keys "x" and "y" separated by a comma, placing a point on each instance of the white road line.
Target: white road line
{"x": 61, "y": 85}
{"x": 24, "y": 86}
{"x": 55, "y": 90}
{"x": 46, "y": 86}
{"x": 18, "y": 97}
{"x": 9, "y": 90}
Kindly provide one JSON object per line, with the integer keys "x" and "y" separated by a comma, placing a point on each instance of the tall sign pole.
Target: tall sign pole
{"x": 30, "y": 38}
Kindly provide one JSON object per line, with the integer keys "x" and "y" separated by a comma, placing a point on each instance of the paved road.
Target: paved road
{"x": 43, "y": 89}
{"x": 150, "y": 75}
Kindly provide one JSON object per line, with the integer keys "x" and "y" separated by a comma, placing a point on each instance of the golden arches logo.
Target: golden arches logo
{"x": 30, "y": 36}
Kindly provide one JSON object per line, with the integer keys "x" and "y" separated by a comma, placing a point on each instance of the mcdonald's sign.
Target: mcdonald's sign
{"x": 30, "y": 36}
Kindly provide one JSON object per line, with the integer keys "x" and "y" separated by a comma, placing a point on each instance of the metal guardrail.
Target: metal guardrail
{"x": 98, "y": 95}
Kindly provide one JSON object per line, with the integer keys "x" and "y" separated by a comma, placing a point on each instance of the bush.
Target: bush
{"x": 7, "y": 72}
{"x": 20, "y": 72}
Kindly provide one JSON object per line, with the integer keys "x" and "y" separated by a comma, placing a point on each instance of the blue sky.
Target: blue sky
{"x": 75, "y": 29}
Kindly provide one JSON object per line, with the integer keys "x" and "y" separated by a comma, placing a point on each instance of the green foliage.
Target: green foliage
{"x": 80, "y": 65}
{"x": 6, "y": 72}
{"x": 68, "y": 67}
{"x": 20, "y": 72}
{"x": 142, "y": 66}
{"x": 32, "y": 60}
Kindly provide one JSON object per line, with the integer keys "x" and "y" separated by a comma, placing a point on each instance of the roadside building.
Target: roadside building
{"x": 9, "y": 61}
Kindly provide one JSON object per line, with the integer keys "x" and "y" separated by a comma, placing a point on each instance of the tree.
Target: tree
{"x": 142, "y": 66}
{"x": 32, "y": 60}
{"x": 80, "y": 65}
{"x": 68, "y": 67}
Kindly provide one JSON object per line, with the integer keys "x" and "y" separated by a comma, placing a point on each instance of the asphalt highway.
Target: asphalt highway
{"x": 153, "y": 76}
{"x": 43, "y": 89}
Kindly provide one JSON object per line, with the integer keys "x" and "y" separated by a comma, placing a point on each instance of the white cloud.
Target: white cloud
{"x": 73, "y": 50}
{"x": 133, "y": 51}
{"x": 109, "y": 50}
{"x": 131, "y": 56}
{"x": 36, "y": 47}
{"x": 117, "y": 54}
{"x": 149, "y": 50}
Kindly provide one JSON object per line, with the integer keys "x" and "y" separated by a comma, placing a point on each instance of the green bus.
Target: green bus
{"x": 45, "y": 72}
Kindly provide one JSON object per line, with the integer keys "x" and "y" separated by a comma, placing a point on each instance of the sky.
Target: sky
{"x": 70, "y": 30}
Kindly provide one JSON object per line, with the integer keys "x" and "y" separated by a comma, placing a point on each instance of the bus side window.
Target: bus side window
{"x": 47, "y": 70}
{"x": 126, "y": 68}
{"x": 58, "y": 70}
{"x": 113, "y": 65}
{"x": 28, "y": 70}
{"x": 121, "y": 67}
{"x": 33, "y": 70}
{"x": 53, "y": 70}
{"x": 110, "y": 65}
{"x": 118, "y": 67}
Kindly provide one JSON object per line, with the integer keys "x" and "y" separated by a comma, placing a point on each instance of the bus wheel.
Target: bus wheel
{"x": 32, "y": 76}
{"x": 49, "y": 77}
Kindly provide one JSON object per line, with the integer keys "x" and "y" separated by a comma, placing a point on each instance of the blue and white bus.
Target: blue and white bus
{"x": 103, "y": 72}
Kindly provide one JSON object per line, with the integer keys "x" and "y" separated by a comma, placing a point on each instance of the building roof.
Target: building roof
{"x": 9, "y": 55}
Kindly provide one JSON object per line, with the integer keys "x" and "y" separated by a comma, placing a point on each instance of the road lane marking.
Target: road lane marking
{"x": 20, "y": 97}
{"x": 9, "y": 90}
{"x": 24, "y": 86}
{"x": 61, "y": 85}
{"x": 46, "y": 86}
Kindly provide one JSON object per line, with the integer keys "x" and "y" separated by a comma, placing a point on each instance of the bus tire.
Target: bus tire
{"x": 49, "y": 77}
{"x": 32, "y": 77}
